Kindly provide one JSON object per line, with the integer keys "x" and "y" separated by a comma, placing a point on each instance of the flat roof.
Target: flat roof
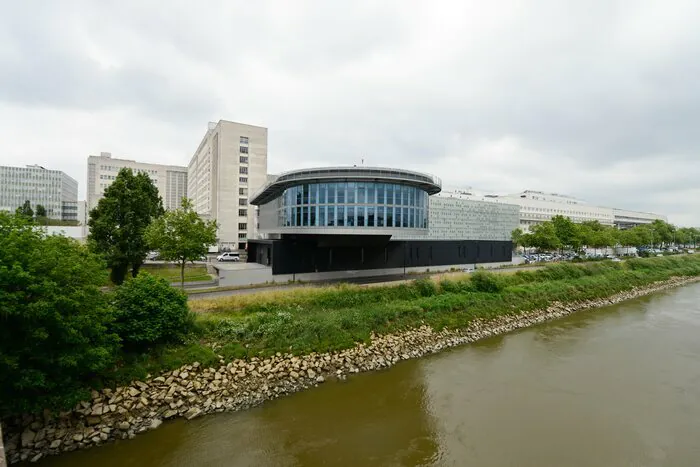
{"x": 430, "y": 183}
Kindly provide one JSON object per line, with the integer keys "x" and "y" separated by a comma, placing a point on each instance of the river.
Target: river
{"x": 618, "y": 386}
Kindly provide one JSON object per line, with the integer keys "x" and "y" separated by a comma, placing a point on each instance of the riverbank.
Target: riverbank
{"x": 196, "y": 389}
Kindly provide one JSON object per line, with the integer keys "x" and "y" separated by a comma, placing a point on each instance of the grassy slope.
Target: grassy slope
{"x": 336, "y": 317}
{"x": 193, "y": 272}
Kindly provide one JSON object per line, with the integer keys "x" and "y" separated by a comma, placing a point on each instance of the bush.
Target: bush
{"x": 150, "y": 312}
{"x": 54, "y": 319}
{"x": 486, "y": 282}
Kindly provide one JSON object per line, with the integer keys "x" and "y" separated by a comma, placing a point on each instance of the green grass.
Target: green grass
{"x": 337, "y": 317}
{"x": 193, "y": 272}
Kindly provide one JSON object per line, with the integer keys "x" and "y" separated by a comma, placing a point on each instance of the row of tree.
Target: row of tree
{"x": 562, "y": 233}
{"x": 129, "y": 221}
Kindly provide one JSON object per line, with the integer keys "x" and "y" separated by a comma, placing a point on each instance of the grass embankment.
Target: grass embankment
{"x": 193, "y": 272}
{"x": 337, "y": 317}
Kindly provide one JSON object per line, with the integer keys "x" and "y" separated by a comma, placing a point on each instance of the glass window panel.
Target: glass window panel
{"x": 331, "y": 192}
{"x": 350, "y": 215}
{"x": 370, "y": 216}
{"x": 313, "y": 193}
{"x": 340, "y": 196}
{"x": 322, "y": 192}
{"x": 380, "y": 216}
{"x": 352, "y": 191}
{"x": 361, "y": 193}
{"x": 360, "y": 216}
{"x": 322, "y": 216}
{"x": 298, "y": 195}
{"x": 389, "y": 193}
{"x": 340, "y": 216}
{"x": 305, "y": 194}
{"x": 312, "y": 216}
{"x": 404, "y": 218}
{"x": 411, "y": 200}
{"x": 371, "y": 194}
{"x": 305, "y": 216}
{"x": 389, "y": 216}
{"x": 331, "y": 216}
{"x": 297, "y": 216}
{"x": 381, "y": 187}
{"x": 404, "y": 195}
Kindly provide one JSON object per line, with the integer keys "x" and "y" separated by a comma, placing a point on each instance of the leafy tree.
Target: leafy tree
{"x": 567, "y": 232}
{"x": 544, "y": 237}
{"x": 40, "y": 211}
{"x": 25, "y": 210}
{"x": 118, "y": 222}
{"x": 516, "y": 237}
{"x": 150, "y": 312}
{"x": 663, "y": 231}
{"x": 54, "y": 319}
{"x": 181, "y": 236}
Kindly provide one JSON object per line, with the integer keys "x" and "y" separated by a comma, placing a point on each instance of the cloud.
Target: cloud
{"x": 593, "y": 98}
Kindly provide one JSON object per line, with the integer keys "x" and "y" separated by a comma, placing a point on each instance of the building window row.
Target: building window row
{"x": 243, "y": 149}
{"x": 243, "y": 179}
{"x": 354, "y": 216}
{"x": 244, "y": 140}
{"x": 355, "y": 193}
{"x": 243, "y": 159}
{"x": 243, "y": 170}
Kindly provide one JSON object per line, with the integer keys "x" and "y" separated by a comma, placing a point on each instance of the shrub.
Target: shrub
{"x": 486, "y": 282}
{"x": 425, "y": 287}
{"x": 149, "y": 312}
{"x": 54, "y": 319}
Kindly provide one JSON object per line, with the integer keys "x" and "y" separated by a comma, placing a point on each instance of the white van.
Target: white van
{"x": 229, "y": 256}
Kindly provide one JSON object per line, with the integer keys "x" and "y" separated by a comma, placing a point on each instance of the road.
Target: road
{"x": 357, "y": 280}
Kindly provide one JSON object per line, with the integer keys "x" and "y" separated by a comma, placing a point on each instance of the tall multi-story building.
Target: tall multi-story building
{"x": 53, "y": 189}
{"x": 229, "y": 164}
{"x": 171, "y": 180}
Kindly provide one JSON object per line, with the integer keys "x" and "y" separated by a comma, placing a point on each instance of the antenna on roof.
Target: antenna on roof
{"x": 363, "y": 161}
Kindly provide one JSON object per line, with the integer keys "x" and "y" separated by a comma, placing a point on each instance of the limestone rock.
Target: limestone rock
{"x": 155, "y": 423}
{"x": 28, "y": 437}
{"x": 193, "y": 413}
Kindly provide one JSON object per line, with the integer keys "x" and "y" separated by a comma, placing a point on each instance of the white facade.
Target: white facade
{"x": 452, "y": 218}
{"x": 229, "y": 164}
{"x": 537, "y": 207}
{"x": 170, "y": 180}
{"x": 53, "y": 189}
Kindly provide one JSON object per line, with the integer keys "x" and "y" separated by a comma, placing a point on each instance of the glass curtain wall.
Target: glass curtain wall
{"x": 354, "y": 204}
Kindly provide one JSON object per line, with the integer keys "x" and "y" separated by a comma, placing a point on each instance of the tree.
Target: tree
{"x": 54, "y": 319}
{"x": 516, "y": 237}
{"x": 181, "y": 236}
{"x": 25, "y": 210}
{"x": 544, "y": 237}
{"x": 40, "y": 211}
{"x": 567, "y": 232}
{"x": 118, "y": 222}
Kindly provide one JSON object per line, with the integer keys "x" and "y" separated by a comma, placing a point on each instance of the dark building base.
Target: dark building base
{"x": 317, "y": 253}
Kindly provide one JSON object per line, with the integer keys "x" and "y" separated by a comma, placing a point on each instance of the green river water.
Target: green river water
{"x": 618, "y": 386}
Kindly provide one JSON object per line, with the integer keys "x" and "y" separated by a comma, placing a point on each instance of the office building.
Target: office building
{"x": 170, "y": 180}
{"x": 336, "y": 219}
{"x": 229, "y": 164}
{"x": 53, "y": 189}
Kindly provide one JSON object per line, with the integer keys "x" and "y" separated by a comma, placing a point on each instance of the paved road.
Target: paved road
{"x": 358, "y": 280}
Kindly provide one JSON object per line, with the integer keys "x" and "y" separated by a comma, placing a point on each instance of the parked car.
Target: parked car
{"x": 229, "y": 256}
{"x": 152, "y": 256}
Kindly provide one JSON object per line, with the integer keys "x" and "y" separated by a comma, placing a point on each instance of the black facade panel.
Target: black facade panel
{"x": 294, "y": 256}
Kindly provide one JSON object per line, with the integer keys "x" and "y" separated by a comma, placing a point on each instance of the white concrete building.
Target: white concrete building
{"x": 229, "y": 164}
{"x": 53, "y": 189}
{"x": 537, "y": 207}
{"x": 170, "y": 180}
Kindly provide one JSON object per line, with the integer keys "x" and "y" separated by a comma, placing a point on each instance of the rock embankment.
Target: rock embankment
{"x": 193, "y": 390}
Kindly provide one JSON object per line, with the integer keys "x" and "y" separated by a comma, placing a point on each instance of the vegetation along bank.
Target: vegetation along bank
{"x": 242, "y": 350}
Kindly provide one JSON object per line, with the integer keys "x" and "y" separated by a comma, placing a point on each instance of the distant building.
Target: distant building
{"x": 53, "y": 189}
{"x": 171, "y": 180}
{"x": 229, "y": 164}
{"x": 537, "y": 207}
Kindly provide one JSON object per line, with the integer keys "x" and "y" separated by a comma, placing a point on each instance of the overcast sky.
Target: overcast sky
{"x": 596, "y": 99}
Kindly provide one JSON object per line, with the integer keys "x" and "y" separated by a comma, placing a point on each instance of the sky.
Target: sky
{"x": 598, "y": 99}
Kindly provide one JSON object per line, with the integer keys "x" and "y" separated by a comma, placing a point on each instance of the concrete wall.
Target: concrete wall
{"x": 460, "y": 219}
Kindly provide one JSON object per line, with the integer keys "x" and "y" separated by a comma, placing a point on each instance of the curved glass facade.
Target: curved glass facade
{"x": 353, "y": 204}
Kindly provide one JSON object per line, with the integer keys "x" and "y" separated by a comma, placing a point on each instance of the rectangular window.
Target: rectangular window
{"x": 411, "y": 218}
{"x": 350, "y": 216}
{"x": 361, "y": 192}
{"x": 340, "y": 196}
{"x": 244, "y": 140}
{"x": 352, "y": 191}
{"x": 312, "y": 216}
{"x": 243, "y": 212}
{"x": 243, "y": 170}
{"x": 313, "y": 193}
{"x": 360, "y": 216}
{"x": 331, "y": 193}
{"x": 243, "y": 179}
{"x": 297, "y": 217}
{"x": 340, "y": 216}
{"x": 243, "y": 159}
{"x": 380, "y": 193}
{"x": 305, "y": 216}
{"x": 242, "y": 202}
{"x": 242, "y": 226}
{"x": 389, "y": 216}
{"x": 380, "y": 216}
{"x": 370, "y": 216}
{"x": 404, "y": 218}
{"x": 331, "y": 216}
{"x": 322, "y": 191}
{"x": 241, "y": 236}
{"x": 389, "y": 194}
{"x": 305, "y": 199}
{"x": 371, "y": 199}
{"x": 243, "y": 149}
{"x": 322, "y": 216}
{"x": 243, "y": 191}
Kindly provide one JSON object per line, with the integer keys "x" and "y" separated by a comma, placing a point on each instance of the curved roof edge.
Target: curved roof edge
{"x": 430, "y": 183}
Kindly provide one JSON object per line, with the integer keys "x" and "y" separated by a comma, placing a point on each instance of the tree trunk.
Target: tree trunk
{"x": 182, "y": 275}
